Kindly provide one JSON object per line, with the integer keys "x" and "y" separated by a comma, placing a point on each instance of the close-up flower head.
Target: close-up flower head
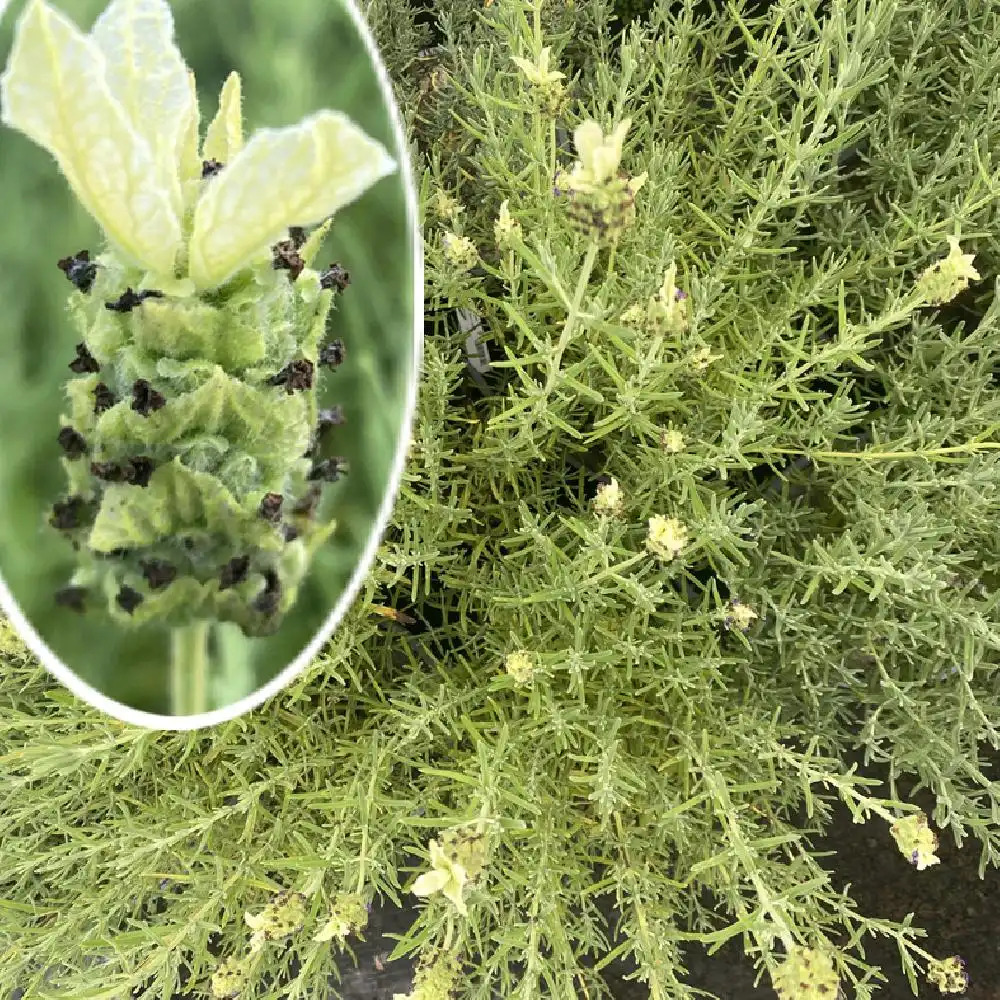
{"x": 198, "y": 453}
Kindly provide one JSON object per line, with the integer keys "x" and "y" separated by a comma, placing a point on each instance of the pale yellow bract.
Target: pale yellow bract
{"x": 224, "y": 138}
{"x": 599, "y": 154}
{"x": 118, "y": 110}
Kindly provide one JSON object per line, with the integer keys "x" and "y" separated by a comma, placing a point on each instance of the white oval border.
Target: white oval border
{"x": 182, "y": 723}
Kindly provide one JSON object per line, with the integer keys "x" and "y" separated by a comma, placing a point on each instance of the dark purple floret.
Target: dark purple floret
{"x": 85, "y": 363}
{"x": 80, "y": 270}
{"x": 306, "y": 507}
{"x": 158, "y": 573}
{"x": 126, "y": 302}
{"x": 335, "y": 277}
{"x": 69, "y": 513}
{"x": 129, "y": 599}
{"x": 234, "y": 572}
{"x": 268, "y": 599}
{"x": 290, "y": 532}
{"x": 209, "y": 168}
{"x": 145, "y": 399}
{"x": 110, "y": 472}
{"x": 72, "y": 442}
{"x": 270, "y": 507}
{"x": 130, "y": 299}
{"x": 104, "y": 398}
{"x": 333, "y": 354}
{"x": 328, "y": 471}
{"x": 296, "y": 375}
{"x": 297, "y": 236}
{"x": 71, "y": 597}
{"x": 285, "y": 257}
{"x": 138, "y": 470}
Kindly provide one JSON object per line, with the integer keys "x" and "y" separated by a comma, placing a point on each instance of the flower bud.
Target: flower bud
{"x": 280, "y": 918}
{"x": 435, "y": 978}
{"x": 230, "y": 978}
{"x": 916, "y": 840}
{"x": 942, "y": 281}
{"x": 521, "y": 666}
{"x": 667, "y": 536}
{"x": 669, "y": 309}
{"x": 600, "y": 197}
{"x": 506, "y": 229}
{"x": 608, "y": 502}
{"x": 806, "y": 974}
{"x": 739, "y": 615}
{"x": 445, "y": 206}
{"x": 702, "y": 358}
{"x": 460, "y": 251}
{"x": 949, "y": 975}
{"x": 672, "y": 441}
{"x": 348, "y": 914}
{"x": 635, "y": 315}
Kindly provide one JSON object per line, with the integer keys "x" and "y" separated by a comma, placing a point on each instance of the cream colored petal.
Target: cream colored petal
{"x": 617, "y": 137}
{"x": 289, "y": 176}
{"x": 309, "y": 249}
{"x": 525, "y": 66}
{"x": 190, "y": 155}
{"x": 148, "y": 76}
{"x": 55, "y": 91}
{"x": 636, "y": 183}
{"x": 429, "y": 882}
{"x": 224, "y": 138}
{"x": 604, "y": 164}
{"x": 588, "y": 138}
{"x": 453, "y": 891}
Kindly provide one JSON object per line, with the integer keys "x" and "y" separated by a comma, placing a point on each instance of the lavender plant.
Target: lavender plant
{"x": 193, "y": 441}
{"x": 721, "y": 513}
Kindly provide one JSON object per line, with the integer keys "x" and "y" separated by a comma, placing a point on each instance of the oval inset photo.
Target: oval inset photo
{"x": 212, "y": 304}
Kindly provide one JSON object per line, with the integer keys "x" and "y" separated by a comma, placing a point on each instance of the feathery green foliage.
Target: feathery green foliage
{"x": 634, "y": 689}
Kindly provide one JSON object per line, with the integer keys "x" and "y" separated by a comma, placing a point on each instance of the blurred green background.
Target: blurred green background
{"x": 293, "y": 59}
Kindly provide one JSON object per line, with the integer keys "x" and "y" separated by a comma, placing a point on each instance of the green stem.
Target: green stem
{"x": 541, "y": 182}
{"x": 577, "y": 307}
{"x": 552, "y": 151}
{"x": 189, "y": 669}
